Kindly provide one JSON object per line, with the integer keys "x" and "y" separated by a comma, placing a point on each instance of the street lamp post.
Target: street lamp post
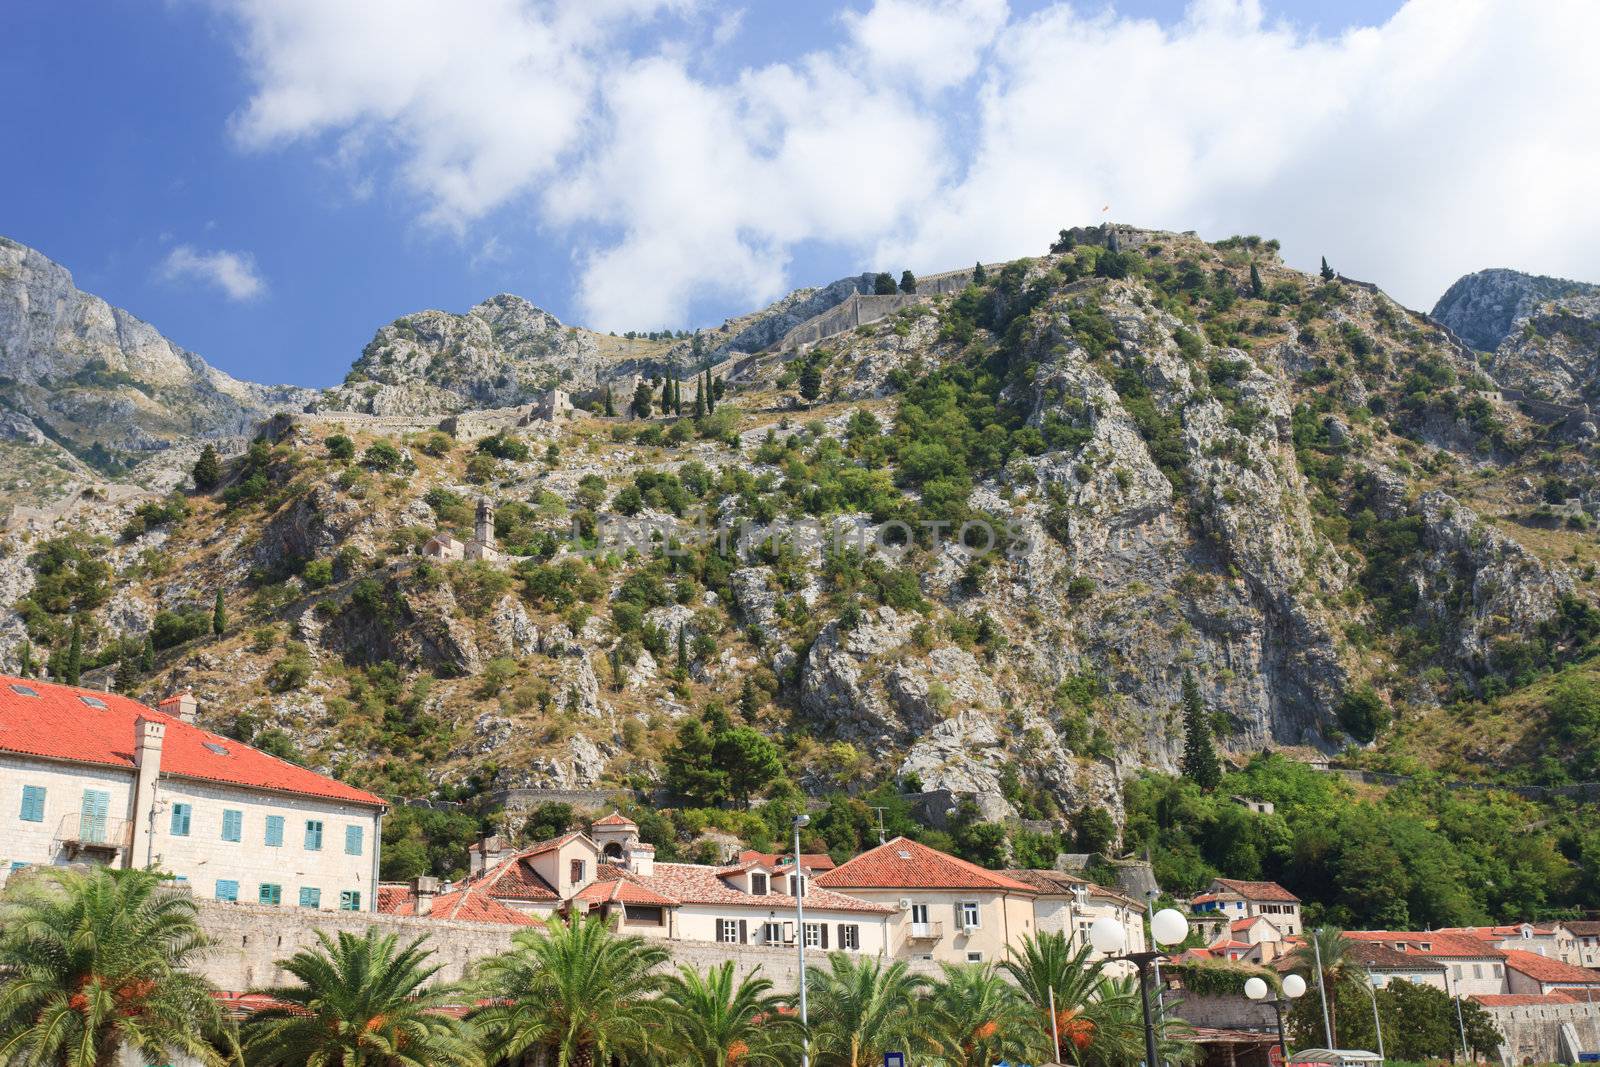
{"x": 799, "y": 888}
{"x": 1372, "y": 991}
{"x": 1293, "y": 987}
{"x": 1107, "y": 935}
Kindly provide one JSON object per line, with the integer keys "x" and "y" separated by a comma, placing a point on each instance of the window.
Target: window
{"x": 92, "y": 815}
{"x": 214, "y": 748}
{"x": 974, "y": 957}
{"x": 270, "y": 894}
{"x": 310, "y": 897}
{"x": 1477, "y": 970}
{"x": 93, "y": 702}
{"x": 968, "y": 916}
{"x": 849, "y": 937}
{"x": 728, "y": 931}
{"x": 232, "y": 825}
{"x": 772, "y": 933}
{"x": 181, "y": 814}
{"x": 274, "y": 831}
{"x": 797, "y": 885}
{"x": 354, "y": 840}
{"x": 578, "y": 871}
{"x": 758, "y": 883}
{"x": 643, "y": 914}
{"x": 350, "y": 900}
{"x": 33, "y": 803}
{"x": 813, "y": 935}
{"x": 313, "y": 835}
{"x": 24, "y": 690}
{"x": 1457, "y": 969}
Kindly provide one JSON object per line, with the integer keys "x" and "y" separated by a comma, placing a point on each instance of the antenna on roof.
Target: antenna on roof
{"x": 882, "y": 839}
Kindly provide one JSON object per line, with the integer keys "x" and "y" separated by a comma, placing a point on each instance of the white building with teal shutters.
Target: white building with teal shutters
{"x": 99, "y": 778}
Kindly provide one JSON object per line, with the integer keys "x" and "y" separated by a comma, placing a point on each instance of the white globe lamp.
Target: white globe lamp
{"x": 1169, "y": 927}
{"x": 1256, "y": 989}
{"x": 1294, "y": 986}
{"x": 1107, "y": 936}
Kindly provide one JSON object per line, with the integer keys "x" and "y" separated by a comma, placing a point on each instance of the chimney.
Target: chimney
{"x": 182, "y": 706}
{"x": 486, "y": 853}
{"x": 148, "y": 735}
{"x": 642, "y": 859}
{"x": 425, "y": 889}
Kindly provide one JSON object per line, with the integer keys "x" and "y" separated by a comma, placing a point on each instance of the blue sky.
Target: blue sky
{"x": 267, "y": 181}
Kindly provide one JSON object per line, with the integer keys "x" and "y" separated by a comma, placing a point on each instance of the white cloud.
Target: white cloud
{"x": 1458, "y": 135}
{"x": 233, "y": 272}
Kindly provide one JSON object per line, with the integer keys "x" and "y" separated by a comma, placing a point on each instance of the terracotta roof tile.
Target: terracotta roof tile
{"x": 1582, "y": 928}
{"x": 1258, "y": 890}
{"x": 1060, "y": 883}
{"x": 472, "y": 904}
{"x": 621, "y": 890}
{"x": 815, "y": 862}
{"x": 904, "y": 864}
{"x": 1524, "y": 1000}
{"x": 691, "y": 883}
{"x": 1544, "y": 969}
{"x": 1438, "y": 943}
{"x": 61, "y": 723}
{"x": 616, "y": 818}
{"x": 1376, "y": 956}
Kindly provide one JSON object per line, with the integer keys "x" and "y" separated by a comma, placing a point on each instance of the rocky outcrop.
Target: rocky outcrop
{"x": 1554, "y": 352}
{"x": 106, "y": 384}
{"x": 1488, "y": 306}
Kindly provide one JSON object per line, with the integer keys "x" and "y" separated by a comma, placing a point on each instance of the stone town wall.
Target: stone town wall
{"x": 249, "y": 939}
{"x": 1533, "y": 1033}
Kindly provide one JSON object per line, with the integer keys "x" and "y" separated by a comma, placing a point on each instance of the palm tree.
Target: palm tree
{"x": 361, "y": 1002}
{"x": 577, "y": 991}
{"x": 97, "y": 961}
{"x": 1118, "y": 1015}
{"x": 979, "y": 1019}
{"x": 714, "y": 1020}
{"x": 1340, "y": 969}
{"x": 859, "y": 1010}
{"x": 1047, "y": 964}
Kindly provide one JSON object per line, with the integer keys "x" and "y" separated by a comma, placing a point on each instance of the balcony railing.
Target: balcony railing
{"x": 103, "y": 834}
{"x": 926, "y": 932}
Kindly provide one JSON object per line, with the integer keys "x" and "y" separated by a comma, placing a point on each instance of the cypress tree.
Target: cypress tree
{"x": 718, "y": 387}
{"x": 1327, "y": 271}
{"x": 666, "y": 397}
{"x": 908, "y": 282}
{"x": 1200, "y": 762}
{"x": 979, "y": 275}
{"x": 207, "y": 469}
{"x": 127, "y": 674}
{"x": 642, "y": 395}
{"x": 749, "y": 699}
{"x": 683, "y": 648}
{"x": 1255, "y": 282}
{"x": 699, "y": 401}
{"x": 711, "y": 394}
{"x": 25, "y": 659}
{"x": 810, "y": 381}
{"x": 147, "y": 655}
{"x": 74, "y": 664}
{"x": 219, "y": 616}
{"x": 611, "y": 407}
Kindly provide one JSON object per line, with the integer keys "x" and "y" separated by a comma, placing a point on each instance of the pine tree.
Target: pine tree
{"x": 611, "y": 407}
{"x": 718, "y": 387}
{"x": 147, "y": 655}
{"x": 810, "y": 381}
{"x": 908, "y": 282}
{"x": 699, "y": 401}
{"x": 207, "y": 469}
{"x": 127, "y": 674}
{"x": 1256, "y": 288}
{"x": 979, "y": 275}
{"x": 74, "y": 664}
{"x": 642, "y": 399}
{"x": 25, "y": 659}
{"x": 219, "y": 616}
{"x": 1200, "y": 763}
{"x": 883, "y": 284}
{"x": 1327, "y": 271}
{"x": 749, "y": 699}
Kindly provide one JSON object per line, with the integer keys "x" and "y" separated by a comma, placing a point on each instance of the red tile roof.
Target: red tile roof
{"x": 1376, "y": 956}
{"x": 1449, "y": 946}
{"x": 904, "y": 864}
{"x": 60, "y": 724}
{"x": 1060, "y": 883}
{"x": 1549, "y": 971}
{"x": 1525, "y": 1000}
{"x": 1258, "y": 890}
{"x": 815, "y": 862}
{"x": 616, "y": 818}
{"x": 619, "y": 889}
{"x": 1582, "y": 927}
{"x": 471, "y": 904}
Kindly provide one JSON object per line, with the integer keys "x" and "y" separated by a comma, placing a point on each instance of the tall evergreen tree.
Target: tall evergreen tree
{"x": 127, "y": 673}
{"x": 979, "y": 275}
{"x": 207, "y": 469}
{"x": 683, "y": 648}
{"x": 711, "y": 394}
{"x": 666, "y": 397}
{"x": 643, "y": 398}
{"x": 25, "y": 658}
{"x": 749, "y": 699}
{"x": 1256, "y": 288}
{"x": 718, "y": 387}
{"x": 883, "y": 284}
{"x": 908, "y": 282}
{"x": 699, "y": 401}
{"x": 611, "y": 407}
{"x": 810, "y": 381}
{"x": 147, "y": 655}
{"x": 1200, "y": 762}
{"x": 74, "y": 664}
{"x": 219, "y": 615}
{"x": 1327, "y": 271}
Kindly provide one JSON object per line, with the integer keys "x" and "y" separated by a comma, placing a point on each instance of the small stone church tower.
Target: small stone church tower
{"x": 484, "y": 534}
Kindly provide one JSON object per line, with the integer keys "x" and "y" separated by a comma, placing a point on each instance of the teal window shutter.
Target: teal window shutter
{"x": 274, "y": 831}
{"x": 232, "y": 825}
{"x": 227, "y": 889}
{"x": 313, "y": 835}
{"x": 270, "y": 894}
{"x": 353, "y": 840}
{"x": 310, "y": 897}
{"x": 350, "y": 900}
{"x": 33, "y": 803}
{"x": 180, "y": 819}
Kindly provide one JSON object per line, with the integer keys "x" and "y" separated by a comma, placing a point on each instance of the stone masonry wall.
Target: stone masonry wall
{"x": 1533, "y": 1033}
{"x": 249, "y": 939}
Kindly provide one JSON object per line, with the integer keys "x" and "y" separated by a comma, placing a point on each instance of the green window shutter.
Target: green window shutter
{"x": 270, "y": 894}
{"x": 33, "y": 803}
{"x": 313, "y": 835}
{"x": 274, "y": 831}
{"x": 310, "y": 897}
{"x": 350, "y": 900}
{"x": 353, "y": 842}
{"x": 180, "y": 820}
{"x": 232, "y": 825}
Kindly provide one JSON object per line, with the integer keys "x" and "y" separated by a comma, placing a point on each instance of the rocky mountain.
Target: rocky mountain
{"x": 1191, "y": 461}
{"x": 1487, "y": 307}
{"x": 101, "y": 386}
